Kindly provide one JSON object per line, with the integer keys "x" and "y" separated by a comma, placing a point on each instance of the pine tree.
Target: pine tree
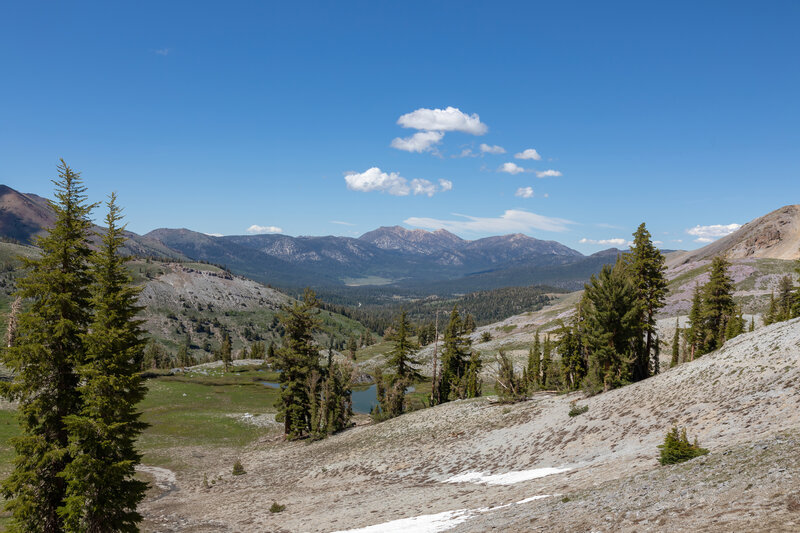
{"x": 469, "y": 324}
{"x": 784, "y": 301}
{"x": 297, "y": 359}
{"x": 546, "y": 351}
{"x": 352, "y": 347}
{"x": 752, "y": 324}
{"x": 48, "y": 346}
{"x": 735, "y": 325}
{"x": 401, "y": 356}
{"x": 696, "y": 332}
{"x": 718, "y": 306}
{"x": 676, "y": 340}
{"x": 102, "y": 492}
{"x": 570, "y": 348}
{"x": 772, "y": 311}
{"x": 534, "y": 363}
{"x": 612, "y": 327}
{"x": 455, "y": 354}
{"x": 646, "y": 266}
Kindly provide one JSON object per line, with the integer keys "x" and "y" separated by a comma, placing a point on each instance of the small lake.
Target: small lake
{"x": 363, "y": 400}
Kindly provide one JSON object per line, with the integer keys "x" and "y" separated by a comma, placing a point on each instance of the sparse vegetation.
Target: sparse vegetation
{"x": 238, "y": 469}
{"x": 575, "y": 409}
{"x": 276, "y": 507}
{"x": 677, "y": 448}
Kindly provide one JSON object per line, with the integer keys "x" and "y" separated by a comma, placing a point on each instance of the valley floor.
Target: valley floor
{"x": 742, "y": 402}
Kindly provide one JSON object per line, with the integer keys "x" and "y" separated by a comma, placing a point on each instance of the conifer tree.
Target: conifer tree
{"x": 646, "y": 266}
{"x": 785, "y": 300}
{"x": 735, "y": 325}
{"x": 102, "y": 492}
{"x": 455, "y": 354}
{"x": 571, "y": 350}
{"x": 696, "y": 332}
{"x": 352, "y": 347}
{"x": 534, "y": 363}
{"x": 48, "y": 345}
{"x": 546, "y": 350}
{"x": 718, "y": 305}
{"x": 612, "y": 327}
{"x": 401, "y": 356}
{"x": 297, "y": 359}
{"x": 752, "y": 324}
{"x": 772, "y": 311}
{"x": 676, "y": 340}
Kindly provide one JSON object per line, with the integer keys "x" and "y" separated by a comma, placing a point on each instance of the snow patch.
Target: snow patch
{"x": 434, "y": 523}
{"x": 509, "y": 478}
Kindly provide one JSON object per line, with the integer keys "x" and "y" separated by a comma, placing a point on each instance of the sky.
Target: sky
{"x": 568, "y": 121}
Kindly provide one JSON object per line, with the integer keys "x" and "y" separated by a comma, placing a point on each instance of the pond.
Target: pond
{"x": 363, "y": 400}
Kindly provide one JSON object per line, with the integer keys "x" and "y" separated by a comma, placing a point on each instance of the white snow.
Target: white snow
{"x": 509, "y": 478}
{"x": 434, "y": 523}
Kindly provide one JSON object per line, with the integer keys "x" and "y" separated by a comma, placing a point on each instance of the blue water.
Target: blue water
{"x": 363, "y": 400}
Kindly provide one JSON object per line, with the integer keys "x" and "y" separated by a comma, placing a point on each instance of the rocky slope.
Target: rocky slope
{"x": 475, "y": 465}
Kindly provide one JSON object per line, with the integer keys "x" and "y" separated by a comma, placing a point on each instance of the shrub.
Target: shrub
{"x": 677, "y": 448}
{"x": 238, "y": 469}
{"x": 576, "y": 409}
{"x": 486, "y": 336}
{"x": 276, "y": 507}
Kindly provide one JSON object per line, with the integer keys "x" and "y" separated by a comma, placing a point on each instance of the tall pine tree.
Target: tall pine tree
{"x": 49, "y": 345}
{"x": 718, "y": 306}
{"x": 647, "y": 269}
{"x": 102, "y": 492}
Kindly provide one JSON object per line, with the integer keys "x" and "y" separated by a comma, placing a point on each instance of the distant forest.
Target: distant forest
{"x": 377, "y": 309}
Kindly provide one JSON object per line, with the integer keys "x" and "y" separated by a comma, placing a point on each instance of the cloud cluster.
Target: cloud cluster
{"x": 496, "y": 149}
{"x": 548, "y": 173}
{"x": 255, "y": 229}
{"x": 530, "y": 153}
{"x": 606, "y": 242}
{"x": 524, "y": 192}
{"x": 710, "y": 233}
{"x": 374, "y": 179}
{"x": 511, "y": 221}
{"x": 511, "y": 168}
{"x": 422, "y": 141}
{"x": 433, "y": 123}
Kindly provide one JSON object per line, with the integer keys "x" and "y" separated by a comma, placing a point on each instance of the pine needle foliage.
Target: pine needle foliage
{"x": 102, "y": 492}
{"x": 49, "y": 345}
{"x": 677, "y": 448}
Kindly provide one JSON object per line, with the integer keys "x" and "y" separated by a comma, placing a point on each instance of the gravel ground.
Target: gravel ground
{"x": 736, "y": 401}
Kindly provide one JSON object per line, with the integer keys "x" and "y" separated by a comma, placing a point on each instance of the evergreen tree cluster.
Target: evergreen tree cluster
{"x": 611, "y": 338}
{"x": 714, "y": 317}
{"x": 402, "y": 370}
{"x": 315, "y": 400}
{"x": 75, "y": 356}
{"x": 786, "y": 305}
{"x": 458, "y": 377}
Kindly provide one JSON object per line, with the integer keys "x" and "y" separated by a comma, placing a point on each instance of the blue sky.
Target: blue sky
{"x": 224, "y": 117}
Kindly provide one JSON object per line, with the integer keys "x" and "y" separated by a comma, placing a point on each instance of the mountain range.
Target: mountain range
{"x": 403, "y": 258}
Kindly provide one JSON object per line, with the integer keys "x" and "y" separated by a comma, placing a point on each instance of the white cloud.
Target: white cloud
{"x": 422, "y": 141}
{"x": 606, "y": 242}
{"x": 162, "y": 52}
{"x": 486, "y": 149}
{"x": 706, "y": 234}
{"x": 255, "y": 229}
{"x": 449, "y": 119}
{"x": 423, "y": 187}
{"x": 214, "y": 234}
{"x": 511, "y": 168}
{"x": 524, "y": 192}
{"x": 530, "y": 153}
{"x": 342, "y": 223}
{"x": 511, "y": 221}
{"x": 467, "y": 152}
{"x": 548, "y": 173}
{"x": 374, "y": 179}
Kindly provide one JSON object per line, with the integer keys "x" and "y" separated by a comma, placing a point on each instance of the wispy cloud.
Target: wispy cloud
{"x": 530, "y": 153}
{"x": 486, "y": 149}
{"x": 524, "y": 192}
{"x": 162, "y": 52}
{"x": 511, "y": 168}
{"x": 255, "y": 229}
{"x": 511, "y": 221}
{"x": 342, "y": 223}
{"x": 214, "y": 234}
{"x": 423, "y": 141}
{"x": 548, "y": 173}
{"x": 375, "y": 180}
{"x": 706, "y": 234}
{"x": 606, "y": 242}
{"x": 449, "y": 119}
